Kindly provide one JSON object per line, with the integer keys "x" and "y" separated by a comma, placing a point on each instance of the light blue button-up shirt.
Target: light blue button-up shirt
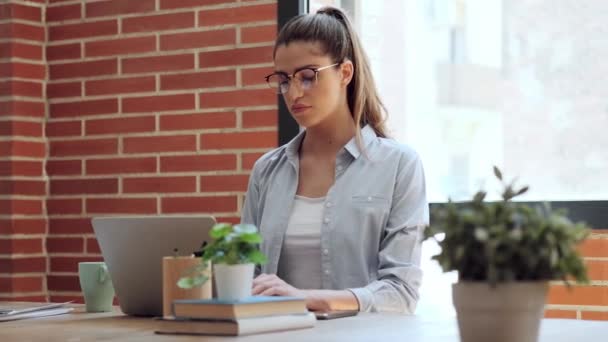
{"x": 373, "y": 219}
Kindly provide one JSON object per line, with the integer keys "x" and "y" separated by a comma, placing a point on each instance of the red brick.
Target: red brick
{"x": 259, "y": 34}
{"x": 82, "y": 108}
{"x": 21, "y": 246}
{"x": 77, "y": 226}
{"x": 197, "y": 121}
{"x": 21, "y": 50}
{"x": 56, "y": 206}
{"x": 120, "y": 85}
{"x": 23, "y": 70}
{"x": 240, "y": 140}
{"x": 70, "y": 264}
{"x": 195, "y": 163}
{"x": 20, "y": 168}
{"x": 248, "y": 159}
{"x": 93, "y": 246}
{"x": 121, "y": 205}
{"x": 20, "y": 11}
{"x": 205, "y": 79}
{"x": 192, "y": 40}
{"x": 22, "y": 31}
{"x": 255, "y": 76}
{"x": 63, "y": 12}
{"x": 22, "y": 108}
{"x": 83, "y": 147}
{"x": 65, "y": 89}
{"x": 64, "y": 51}
{"x": 238, "y": 98}
{"x": 210, "y": 204}
{"x": 594, "y": 248}
{"x": 22, "y": 284}
{"x": 158, "y": 63}
{"x": 171, "y": 4}
{"x": 597, "y": 270}
{"x": 21, "y": 88}
{"x": 63, "y": 283}
{"x": 236, "y": 57}
{"x": 114, "y": 7}
{"x": 159, "y": 184}
{"x": 156, "y": 103}
{"x": 578, "y": 295}
{"x": 121, "y": 125}
{"x": 83, "y": 69}
{"x": 123, "y": 46}
{"x": 82, "y": 30}
{"x": 63, "y": 128}
{"x": 22, "y": 226}
{"x": 23, "y": 187}
{"x": 155, "y": 23}
{"x": 19, "y": 148}
{"x": 120, "y": 165}
{"x": 84, "y": 186}
{"x": 64, "y": 167}
{"x": 260, "y": 118}
{"x": 65, "y": 245}
{"x": 23, "y": 265}
{"x": 594, "y": 315}
{"x": 238, "y": 15}
{"x": 224, "y": 183}
{"x": 150, "y": 144}
{"x": 21, "y": 129}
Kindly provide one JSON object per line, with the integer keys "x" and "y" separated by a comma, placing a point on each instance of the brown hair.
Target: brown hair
{"x": 332, "y": 28}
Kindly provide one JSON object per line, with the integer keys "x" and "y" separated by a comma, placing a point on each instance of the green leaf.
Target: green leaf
{"x": 252, "y": 238}
{"x": 497, "y": 173}
{"x": 220, "y": 230}
{"x": 257, "y": 257}
{"x": 245, "y": 229}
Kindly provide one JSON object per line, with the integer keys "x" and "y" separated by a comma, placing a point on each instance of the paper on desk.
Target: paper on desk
{"x": 11, "y": 314}
{"x": 32, "y": 314}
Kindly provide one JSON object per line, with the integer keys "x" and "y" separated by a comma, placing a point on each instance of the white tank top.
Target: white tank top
{"x": 300, "y": 260}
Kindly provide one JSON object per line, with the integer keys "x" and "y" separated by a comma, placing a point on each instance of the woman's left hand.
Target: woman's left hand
{"x": 271, "y": 285}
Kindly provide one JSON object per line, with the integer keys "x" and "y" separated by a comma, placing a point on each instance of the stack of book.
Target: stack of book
{"x": 256, "y": 314}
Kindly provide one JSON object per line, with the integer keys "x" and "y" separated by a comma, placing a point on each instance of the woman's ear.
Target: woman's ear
{"x": 347, "y": 71}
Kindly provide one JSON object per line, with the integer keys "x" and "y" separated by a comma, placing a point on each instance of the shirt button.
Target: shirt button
{"x": 325, "y": 252}
{"x": 339, "y": 168}
{"x": 369, "y": 199}
{"x": 328, "y": 204}
{"x": 326, "y": 272}
{"x": 326, "y": 220}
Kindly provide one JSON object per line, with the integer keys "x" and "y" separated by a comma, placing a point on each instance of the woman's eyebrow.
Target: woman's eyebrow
{"x": 298, "y": 69}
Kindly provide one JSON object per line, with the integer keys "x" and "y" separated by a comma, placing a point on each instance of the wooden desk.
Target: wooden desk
{"x": 114, "y": 326}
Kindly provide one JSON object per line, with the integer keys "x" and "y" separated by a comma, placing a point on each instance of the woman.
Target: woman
{"x": 341, "y": 207}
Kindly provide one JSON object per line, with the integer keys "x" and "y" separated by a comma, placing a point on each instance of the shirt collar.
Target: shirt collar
{"x": 367, "y": 136}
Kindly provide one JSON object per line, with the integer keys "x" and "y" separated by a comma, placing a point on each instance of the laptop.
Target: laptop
{"x": 133, "y": 248}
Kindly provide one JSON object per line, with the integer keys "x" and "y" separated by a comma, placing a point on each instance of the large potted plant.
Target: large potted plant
{"x": 505, "y": 253}
{"x": 233, "y": 252}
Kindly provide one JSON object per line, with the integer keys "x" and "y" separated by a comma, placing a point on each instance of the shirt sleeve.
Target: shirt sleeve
{"x": 399, "y": 273}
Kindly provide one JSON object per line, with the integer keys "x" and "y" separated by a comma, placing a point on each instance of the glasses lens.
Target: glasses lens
{"x": 278, "y": 82}
{"x": 307, "y": 78}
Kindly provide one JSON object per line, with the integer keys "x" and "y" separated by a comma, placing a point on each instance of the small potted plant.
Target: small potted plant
{"x": 505, "y": 253}
{"x": 234, "y": 252}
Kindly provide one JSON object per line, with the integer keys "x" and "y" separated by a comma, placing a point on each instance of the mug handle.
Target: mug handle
{"x": 102, "y": 274}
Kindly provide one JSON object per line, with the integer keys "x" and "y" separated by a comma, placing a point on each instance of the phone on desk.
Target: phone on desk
{"x": 335, "y": 314}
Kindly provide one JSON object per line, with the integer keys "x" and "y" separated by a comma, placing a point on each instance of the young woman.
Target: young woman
{"x": 341, "y": 207}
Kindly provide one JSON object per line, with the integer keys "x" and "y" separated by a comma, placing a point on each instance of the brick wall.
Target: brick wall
{"x": 154, "y": 107}
{"x": 23, "y": 186}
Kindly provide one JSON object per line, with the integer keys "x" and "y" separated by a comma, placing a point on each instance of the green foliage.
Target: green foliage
{"x": 232, "y": 245}
{"x": 507, "y": 241}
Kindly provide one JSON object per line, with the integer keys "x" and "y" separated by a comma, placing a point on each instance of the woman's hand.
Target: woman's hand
{"x": 271, "y": 285}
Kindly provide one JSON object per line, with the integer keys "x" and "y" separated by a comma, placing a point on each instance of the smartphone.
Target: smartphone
{"x": 335, "y": 314}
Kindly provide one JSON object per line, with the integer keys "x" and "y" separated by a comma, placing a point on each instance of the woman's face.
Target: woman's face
{"x": 311, "y": 99}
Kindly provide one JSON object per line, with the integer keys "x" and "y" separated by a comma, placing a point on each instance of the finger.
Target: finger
{"x": 271, "y": 291}
{"x": 264, "y": 285}
{"x": 261, "y": 278}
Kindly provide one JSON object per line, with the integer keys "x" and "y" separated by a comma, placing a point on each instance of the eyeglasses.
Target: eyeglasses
{"x": 306, "y": 78}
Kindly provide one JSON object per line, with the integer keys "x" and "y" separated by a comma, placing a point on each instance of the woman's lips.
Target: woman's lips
{"x": 299, "y": 108}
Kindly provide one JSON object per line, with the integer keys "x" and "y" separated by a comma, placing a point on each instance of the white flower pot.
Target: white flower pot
{"x": 233, "y": 282}
{"x": 506, "y": 313}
